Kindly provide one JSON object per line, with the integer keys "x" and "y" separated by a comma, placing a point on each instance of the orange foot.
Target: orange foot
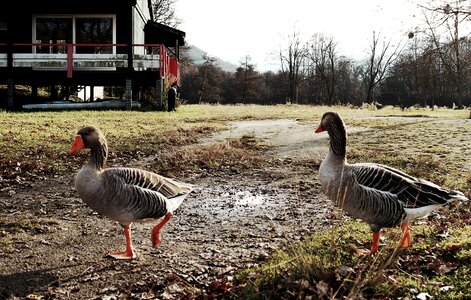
{"x": 155, "y": 236}
{"x": 363, "y": 252}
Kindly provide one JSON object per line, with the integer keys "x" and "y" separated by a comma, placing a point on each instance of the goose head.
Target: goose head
{"x": 88, "y": 137}
{"x": 92, "y": 138}
{"x": 329, "y": 122}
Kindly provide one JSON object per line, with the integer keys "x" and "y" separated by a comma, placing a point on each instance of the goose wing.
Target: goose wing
{"x": 135, "y": 194}
{"x": 138, "y": 178}
{"x": 409, "y": 190}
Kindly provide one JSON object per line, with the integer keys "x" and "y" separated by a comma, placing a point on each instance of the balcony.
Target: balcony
{"x": 144, "y": 57}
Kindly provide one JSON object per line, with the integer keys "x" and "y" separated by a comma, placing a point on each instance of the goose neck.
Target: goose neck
{"x": 98, "y": 156}
{"x": 338, "y": 141}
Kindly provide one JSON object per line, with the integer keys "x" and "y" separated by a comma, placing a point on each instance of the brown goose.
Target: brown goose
{"x": 380, "y": 195}
{"x": 125, "y": 195}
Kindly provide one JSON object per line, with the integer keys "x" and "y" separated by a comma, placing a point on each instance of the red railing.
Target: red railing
{"x": 164, "y": 61}
{"x": 164, "y": 58}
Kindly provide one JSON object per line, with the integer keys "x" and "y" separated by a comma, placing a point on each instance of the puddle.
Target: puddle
{"x": 246, "y": 199}
{"x": 224, "y": 205}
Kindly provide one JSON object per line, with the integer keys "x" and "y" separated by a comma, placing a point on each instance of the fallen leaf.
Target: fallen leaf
{"x": 444, "y": 268}
{"x": 453, "y": 248}
{"x": 446, "y": 288}
{"x": 423, "y": 296}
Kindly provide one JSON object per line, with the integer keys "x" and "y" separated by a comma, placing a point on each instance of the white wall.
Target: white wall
{"x": 139, "y": 12}
{"x": 85, "y": 92}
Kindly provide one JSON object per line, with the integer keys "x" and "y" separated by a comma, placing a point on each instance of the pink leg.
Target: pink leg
{"x": 155, "y": 237}
{"x": 374, "y": 246}
{"x": 129, "y": 252}
{"x": 406, "y": 235}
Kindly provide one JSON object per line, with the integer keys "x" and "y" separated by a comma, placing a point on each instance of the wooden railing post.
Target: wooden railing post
{"x": 70, "y": 60}
{"x": 10, "y": 80}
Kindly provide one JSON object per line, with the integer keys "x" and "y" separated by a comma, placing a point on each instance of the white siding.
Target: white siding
{"x": 140, "y": 17}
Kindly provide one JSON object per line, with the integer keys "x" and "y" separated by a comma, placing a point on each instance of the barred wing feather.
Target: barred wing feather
{"x": 148, "y": 180}
{"x": 412, "y": 192}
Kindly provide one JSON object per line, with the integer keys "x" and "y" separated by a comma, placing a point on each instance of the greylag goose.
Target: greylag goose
{"x": 380, "y": 195}
{"x": 125, "y": 195}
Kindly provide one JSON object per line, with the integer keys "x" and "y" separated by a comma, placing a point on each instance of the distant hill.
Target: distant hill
{"x": 196, "y": 54}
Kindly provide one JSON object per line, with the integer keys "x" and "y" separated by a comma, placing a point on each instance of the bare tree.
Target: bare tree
{"x": 380, "y": 59}
{"x": 324, "y": 60}
{"x": 164, "y": 12}
{"x": 449, "y": 16}
{"x": 347, "y": 86}
{"x": 293, "y": 65}
{"x": 247, "y": 81}
{"x": 271, "y": 89}
{"x": 208, "y": 82}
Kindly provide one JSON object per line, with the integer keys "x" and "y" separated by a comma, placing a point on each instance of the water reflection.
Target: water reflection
{"x": 247, "y": 198}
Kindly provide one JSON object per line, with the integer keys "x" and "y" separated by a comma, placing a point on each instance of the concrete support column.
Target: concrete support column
{"x": 10, "y": 93}
{"x": 128, "y": 94}
{"x": 34, "y": 92}
{"x": 92, "y": 93}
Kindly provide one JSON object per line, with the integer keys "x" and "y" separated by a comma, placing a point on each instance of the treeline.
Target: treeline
{"x": 429, "y": 66}
{"x": 416, "y": 76}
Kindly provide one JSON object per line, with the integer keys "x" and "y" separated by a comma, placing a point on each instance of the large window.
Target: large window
{"x": 53, "y": 31}
{"x": 94, "y": 31}
{"x": 74, "y": 29}
{"x": 3, "y": 21}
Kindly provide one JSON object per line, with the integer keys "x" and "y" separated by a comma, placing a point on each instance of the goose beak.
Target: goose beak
{"x": 77, "y": 145}
{"x": 319, "y": 129}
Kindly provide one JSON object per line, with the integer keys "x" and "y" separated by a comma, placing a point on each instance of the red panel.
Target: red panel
{"x": 174, "y": 68}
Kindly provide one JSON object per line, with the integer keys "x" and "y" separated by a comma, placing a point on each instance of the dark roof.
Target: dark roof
{"x": 157, "y": 33}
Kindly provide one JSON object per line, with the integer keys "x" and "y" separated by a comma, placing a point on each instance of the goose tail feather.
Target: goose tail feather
{"x": 457, "y": 195}
{"x": 175, "y": 202}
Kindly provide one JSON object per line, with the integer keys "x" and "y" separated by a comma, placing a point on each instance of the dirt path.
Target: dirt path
{"x": 288, "y": 138}
{"x": 56, "y": 245}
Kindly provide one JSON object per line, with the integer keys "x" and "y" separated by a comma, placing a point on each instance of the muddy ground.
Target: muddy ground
{"x": 55, "y": 246}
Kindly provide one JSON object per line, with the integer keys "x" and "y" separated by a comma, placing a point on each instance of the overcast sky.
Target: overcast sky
{"x": 232, "y": 29}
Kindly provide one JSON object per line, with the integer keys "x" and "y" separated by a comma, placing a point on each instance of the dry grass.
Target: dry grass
{"x": 233, "y": 156}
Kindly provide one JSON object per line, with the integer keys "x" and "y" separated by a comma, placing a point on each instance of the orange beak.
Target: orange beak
{"x": 77, "y": 145}
{"x": 319, "y": 129}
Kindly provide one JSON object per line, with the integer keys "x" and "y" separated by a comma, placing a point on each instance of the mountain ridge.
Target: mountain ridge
{"x": 197, "y": 56}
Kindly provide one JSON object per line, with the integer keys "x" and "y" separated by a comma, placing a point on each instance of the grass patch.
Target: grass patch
{"x": 306, "y": 268}
{"x": 325, "y": 266}
{"x": 35, "y": 144}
